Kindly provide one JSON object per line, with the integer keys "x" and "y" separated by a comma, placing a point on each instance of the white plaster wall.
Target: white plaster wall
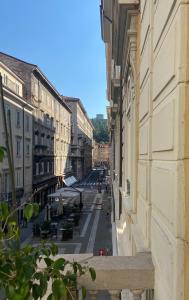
{"x": 160, "y": 209}
{"x": 160, "y": 202}
{"x": 160, "y": 205}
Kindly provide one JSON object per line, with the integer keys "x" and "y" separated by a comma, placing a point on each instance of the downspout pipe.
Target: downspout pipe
{"x": 120, "y": 149}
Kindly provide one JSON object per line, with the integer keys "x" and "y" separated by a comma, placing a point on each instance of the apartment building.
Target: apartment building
{"x": 21, "y": 133}
{"x": 101, "y": 154}
{"x": 81, "y": 138}
{"x": 51, "y": 128}
{"x": 147, "y": 85}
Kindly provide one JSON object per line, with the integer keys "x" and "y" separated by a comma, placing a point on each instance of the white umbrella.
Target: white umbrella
{"x": 65, "y": 194}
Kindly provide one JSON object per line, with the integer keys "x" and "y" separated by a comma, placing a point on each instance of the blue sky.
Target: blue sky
{"x": 63, "y": 38}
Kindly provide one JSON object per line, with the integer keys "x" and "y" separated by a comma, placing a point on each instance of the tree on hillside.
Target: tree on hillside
{"x": 100, "y": 130}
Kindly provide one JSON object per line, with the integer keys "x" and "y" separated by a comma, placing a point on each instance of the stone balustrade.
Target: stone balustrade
{"x": 117, "y": 273}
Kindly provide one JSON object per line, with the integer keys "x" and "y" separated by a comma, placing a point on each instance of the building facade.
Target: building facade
{"x": 99, "y": 116}
{"x": 147, "y": 83}
{"x": 51, "y": 128}
{"x": 21, "y": 133}
{"x": 81, "y": 138}
{"x": 101, "y": 154}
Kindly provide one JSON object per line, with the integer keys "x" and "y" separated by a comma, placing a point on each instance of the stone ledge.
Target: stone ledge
{"x": 120, "y": 272}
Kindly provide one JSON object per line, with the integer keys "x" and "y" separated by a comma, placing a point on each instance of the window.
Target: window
{"x": 48, "y": 141}
{"x": 18, "y": 178}
{"x": 37, "y": 169}
{"x": 27, "y": 123}
{"x": 41, "y": 168}
{"x": 27, "y": 148}
{"x": 52, "y": 122}
{"x": 5, "y": 78}
{"x": 17, "y": 88}
{"x": 6, "y": 182}
{"x": 7, "y": 111}
{"x": 18, "y": 121}
{"x": 42, "y": 139}
{"x": 48, "y": 121}
{"x": 18, "y": 146}
{"x": 36, "y": 139}
{"x": 41, "y": 115}
{"x": 48, "y": 167}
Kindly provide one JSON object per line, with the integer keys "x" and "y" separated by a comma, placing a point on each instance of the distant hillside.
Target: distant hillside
{"x": 100, "y": 130}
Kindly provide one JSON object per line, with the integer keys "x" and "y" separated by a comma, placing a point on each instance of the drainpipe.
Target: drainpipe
{"x": 120, "y": 152}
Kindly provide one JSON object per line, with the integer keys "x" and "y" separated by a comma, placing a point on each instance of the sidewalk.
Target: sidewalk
{"x": 27, "y": 232}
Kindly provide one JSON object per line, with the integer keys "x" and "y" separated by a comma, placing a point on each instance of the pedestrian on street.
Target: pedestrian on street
{"x": 80, "y": 206}
{"x": 101, "y": 252}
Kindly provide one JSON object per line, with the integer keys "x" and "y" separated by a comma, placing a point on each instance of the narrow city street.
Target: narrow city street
{"x": 94, "y": 231}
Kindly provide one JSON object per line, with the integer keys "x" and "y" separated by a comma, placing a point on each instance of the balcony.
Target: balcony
{"x": 117, "y": 273}
{"x": 80, "y": 135}
{"x": 40, "y": 149}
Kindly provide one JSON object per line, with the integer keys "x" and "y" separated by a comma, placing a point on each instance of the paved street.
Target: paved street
{"x": 94, "y": 230}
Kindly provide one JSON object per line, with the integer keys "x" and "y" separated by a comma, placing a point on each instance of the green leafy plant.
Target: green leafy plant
{"x": 26, "y": 272}
{"x": 29, "y": 272}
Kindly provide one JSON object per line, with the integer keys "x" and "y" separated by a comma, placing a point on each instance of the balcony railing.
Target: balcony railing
{"x": 117, "y": 273}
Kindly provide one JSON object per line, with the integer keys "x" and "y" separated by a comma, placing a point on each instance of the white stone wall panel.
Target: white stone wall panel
{"x": 145, "y": 62}
{"x": 145, "y": 24}
{"x": 144, "y": 100}
{"x": 167, "y": 195}
{"x": 164, "y": 64}
{"x": 143, "y": 179}
{"x": 163, "y": 118}
{"x": 143, "y": 139}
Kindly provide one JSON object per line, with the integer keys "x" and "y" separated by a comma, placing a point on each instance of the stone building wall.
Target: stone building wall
{"x": 150, "y": 167}
{"x": 101, "y": 154}
{"x": 21, "y": 135}
{"x": 82, "y": 136}
{"x": 51, "y": 128}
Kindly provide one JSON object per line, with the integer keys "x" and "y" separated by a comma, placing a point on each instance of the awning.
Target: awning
{"x": 70, "y": 181}
{"x": 61, "y": 193}
{"x": 73, "y": 189}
